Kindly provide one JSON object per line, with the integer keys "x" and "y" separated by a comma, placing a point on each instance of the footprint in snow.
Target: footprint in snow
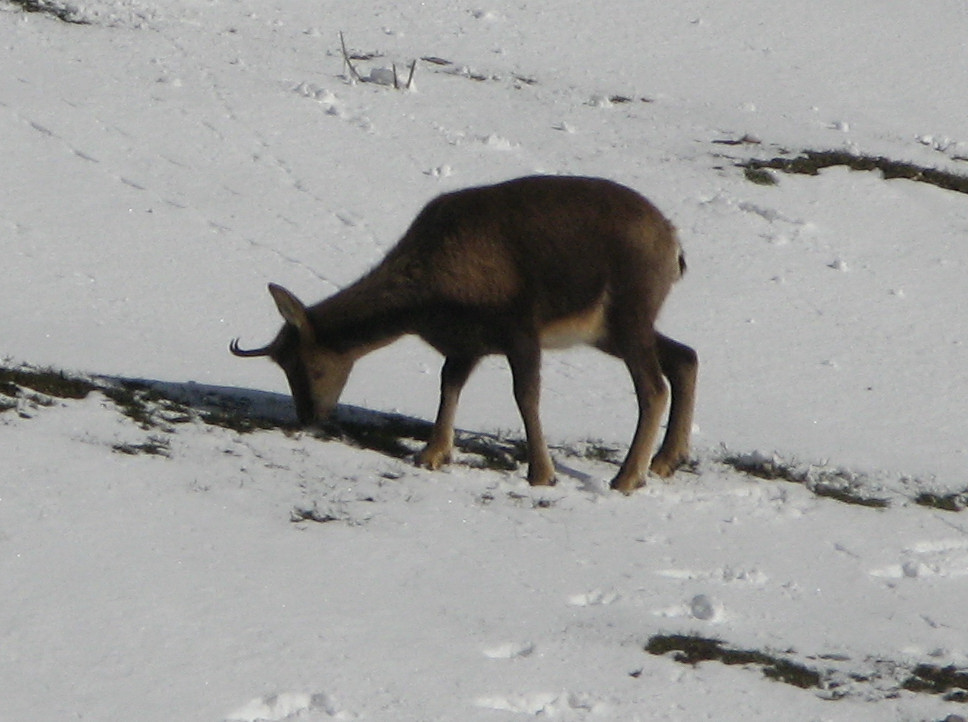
{"x": 510, "y": 650}
{"x": 549, "y": 704}
{"x": 594, "y": 598}
{"x": 725, "y": 575}
{"x": 285, "y": 706}
{"x": 701, "y": 607}
{"x": 946, "y": 558}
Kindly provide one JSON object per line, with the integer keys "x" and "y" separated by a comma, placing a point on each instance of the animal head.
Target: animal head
{"x": 316, "y": 374}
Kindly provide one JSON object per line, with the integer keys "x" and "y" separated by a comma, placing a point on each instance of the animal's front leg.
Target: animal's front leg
{"x": 453, "y": 376}
{"x": 525, "y": 361}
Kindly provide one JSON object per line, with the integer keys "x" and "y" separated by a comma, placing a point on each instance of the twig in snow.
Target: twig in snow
{"x": 355, "y": 74}
{"x": 413, "y": 67}
{"x": 346, "y": 59}
{"x": 396, "y": 82}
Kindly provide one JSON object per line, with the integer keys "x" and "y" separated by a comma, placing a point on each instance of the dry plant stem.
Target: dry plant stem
{"x": 413, "y": 67}
{"x": 346, "y": 59}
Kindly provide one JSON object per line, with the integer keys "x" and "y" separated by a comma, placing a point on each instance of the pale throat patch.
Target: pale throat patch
{"x": 328, "y": 373}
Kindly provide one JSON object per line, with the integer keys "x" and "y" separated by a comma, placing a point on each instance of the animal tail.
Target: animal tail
{"x": 682, "y": 256}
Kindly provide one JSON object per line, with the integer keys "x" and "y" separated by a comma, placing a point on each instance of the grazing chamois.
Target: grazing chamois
{"x": 531, "y": 263}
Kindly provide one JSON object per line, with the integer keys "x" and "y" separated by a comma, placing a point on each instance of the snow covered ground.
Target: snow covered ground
{"x": 160, "y": 162}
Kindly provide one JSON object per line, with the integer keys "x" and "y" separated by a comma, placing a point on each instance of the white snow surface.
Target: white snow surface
{"x": 160, "y": 162}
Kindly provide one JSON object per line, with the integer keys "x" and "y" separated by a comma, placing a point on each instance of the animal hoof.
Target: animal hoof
{"x": 627, "y": 484}
{"x": 433, "y": 459}
{"x": 665, "y": 466}
{"x": 541, "y": 477}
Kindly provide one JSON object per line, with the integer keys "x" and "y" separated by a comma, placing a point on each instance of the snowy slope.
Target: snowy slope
{"x": 162, "y": 161}
{"x": 173, "y": 569}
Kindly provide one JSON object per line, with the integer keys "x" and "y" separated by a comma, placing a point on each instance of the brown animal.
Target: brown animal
{"x": 532, "y": 263}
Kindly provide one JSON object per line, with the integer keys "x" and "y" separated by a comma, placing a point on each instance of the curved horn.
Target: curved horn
{"x": 246, "y": 353}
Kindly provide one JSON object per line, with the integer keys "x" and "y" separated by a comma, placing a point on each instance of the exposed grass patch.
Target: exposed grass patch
{"x": 880, "y": 677}
{"x": 385, "y": 436}
{"x": 760, "y": 176}
{"x": 689, "y": 649}
{"x": 158, "y": 406}
{"x": 64, "y": 12}
{"x": 949, "y": 681}
{"x": 301, "y": 514}
{"x": 146, "y": 406}
{"x": 55, "y": 384}
{"x": 154, "y": 446}
{"x": 497, "y": 453}
{"x": 838, "y": 484}
{"x": 338, "y": 513}
{"x": 235, "y": 420}
{"x": 601, "y": 451}
{"x": 161, "y": 407}
{"x": 396, "y": 436}
{"x": 955, "y": 501}
{"x": 848, "y": 496}
{"x": 811, "y": 162}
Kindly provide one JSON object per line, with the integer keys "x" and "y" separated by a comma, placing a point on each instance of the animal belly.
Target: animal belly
{"x": 585, "y": 327}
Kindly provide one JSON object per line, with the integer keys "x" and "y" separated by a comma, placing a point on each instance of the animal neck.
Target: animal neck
{"x": 364, "y": 316}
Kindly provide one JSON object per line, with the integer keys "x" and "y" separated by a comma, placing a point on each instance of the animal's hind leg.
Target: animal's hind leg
{"x": 452, "y": 379}
{"x": 680, "y": 364}
{"x": 524, "y": 357}
{"x": 652, "y": 394}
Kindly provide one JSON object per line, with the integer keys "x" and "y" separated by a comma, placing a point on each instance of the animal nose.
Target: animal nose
{"x": 305, "y": 412}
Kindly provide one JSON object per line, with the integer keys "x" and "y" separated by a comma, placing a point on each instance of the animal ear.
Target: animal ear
{"x": 293, "y": 310}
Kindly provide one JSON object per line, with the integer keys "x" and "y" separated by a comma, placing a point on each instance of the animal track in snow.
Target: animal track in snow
{"x": 497, "y": 142}
{"x": 594, "y": 598}
{"x": 333, "y": 105}
{"x": 726, "y": 575}
{"x": 946, "y": 558}
{"x": 782, "y": 228}
{"x": 548, "y": 704}
{"x": 510, "y": 650}
{"x": 284, "y": 706}
{"x": 701, "y": 607}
